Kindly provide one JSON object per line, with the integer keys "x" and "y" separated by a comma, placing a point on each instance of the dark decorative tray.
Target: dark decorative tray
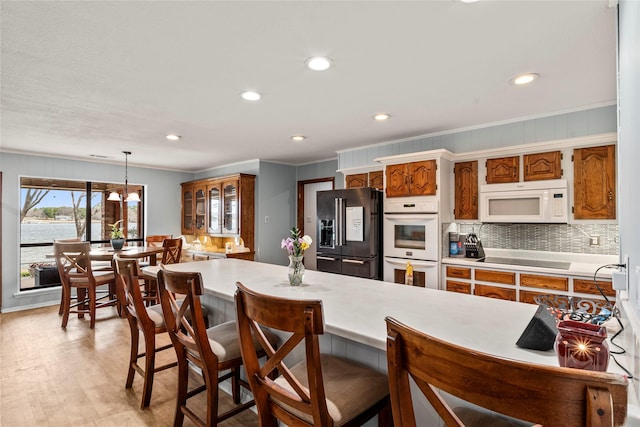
{"x": 576, "y": 308}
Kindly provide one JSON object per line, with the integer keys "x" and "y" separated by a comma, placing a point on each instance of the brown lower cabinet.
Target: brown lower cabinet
{"x": 495, "y": 292}
{"x": 460, "y": 287}
{"x": 526, "y": 286}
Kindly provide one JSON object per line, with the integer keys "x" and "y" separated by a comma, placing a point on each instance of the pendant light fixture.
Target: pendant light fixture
{"x": 130, "y": 197}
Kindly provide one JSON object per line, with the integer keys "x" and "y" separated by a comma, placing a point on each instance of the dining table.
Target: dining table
{"x": 107, "y": 254}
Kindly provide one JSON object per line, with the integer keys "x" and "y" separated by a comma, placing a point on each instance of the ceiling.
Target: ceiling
{"x": 83, "y": 78}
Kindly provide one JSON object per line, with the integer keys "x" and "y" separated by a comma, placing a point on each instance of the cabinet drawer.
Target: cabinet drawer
{"x": 545, "y": 282}
{"x": 495, "y": 292}
{"x": 588, "y": 287}
{"x": 459, "y": 272}
{"x": 460, "y": 287}
{"x": 504, "y": 277}
{"x": 528, "y": 296}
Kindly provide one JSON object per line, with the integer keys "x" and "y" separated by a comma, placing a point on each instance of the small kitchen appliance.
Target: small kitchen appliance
{"x": 473, "y": 247}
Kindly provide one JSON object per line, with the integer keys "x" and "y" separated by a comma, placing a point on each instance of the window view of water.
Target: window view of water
{"x": 47, "y": 232}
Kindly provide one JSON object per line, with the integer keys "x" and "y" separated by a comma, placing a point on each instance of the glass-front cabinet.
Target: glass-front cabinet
{"x": 230, "y": 207}
{"x": 220, "y": 207}
{"x": 215, "y": 226}
{"x": 201, "y": 208}
{"x": 187, "y": 209}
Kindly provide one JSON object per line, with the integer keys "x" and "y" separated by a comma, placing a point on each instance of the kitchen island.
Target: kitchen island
{"x": 355, "y": 308}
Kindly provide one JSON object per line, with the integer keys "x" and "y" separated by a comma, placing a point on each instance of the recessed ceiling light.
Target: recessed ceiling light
{"x": 298, "y": 137}
{"x": 318, "y": 63}
{"x": 251, "y": 95}
{"x": 523, "y": 79}
{"x": 468, "y": 1}
{"x": 173, "y": 137}
{"x": 381, "y": 117}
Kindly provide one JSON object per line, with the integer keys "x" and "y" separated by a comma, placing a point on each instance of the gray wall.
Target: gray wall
{"x": 163, "y": 209}
{"x": 277, "y": 200}
{"x": 326, "y": 169}
{"x": 568, "y": 125}
{"x": 629, "y": 140}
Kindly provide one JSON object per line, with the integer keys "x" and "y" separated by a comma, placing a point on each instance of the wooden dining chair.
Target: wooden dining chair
{"x": 211, "y": 350}
{"x": 322, "y": 390}
{"x": 74, "y": 267}
{"x": 171, "y": 254}
{"x": 61, "y": 308}
{"x": 547, "y": 395}
{"x": 148, "y": 320}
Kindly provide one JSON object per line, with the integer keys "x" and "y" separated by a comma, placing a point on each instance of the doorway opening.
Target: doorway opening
{"x": 307, "y": 213}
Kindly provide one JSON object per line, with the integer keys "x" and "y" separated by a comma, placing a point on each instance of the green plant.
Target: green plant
{"x": 116, "y": 231}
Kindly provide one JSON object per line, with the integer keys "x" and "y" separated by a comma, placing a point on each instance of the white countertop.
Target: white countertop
{"x": 355, "y": 308}
{"x": 581, "y": 264}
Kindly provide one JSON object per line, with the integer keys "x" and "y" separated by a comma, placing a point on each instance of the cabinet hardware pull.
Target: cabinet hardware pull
{"x": 353, "y": 261}
{"x": 326, "y": 258}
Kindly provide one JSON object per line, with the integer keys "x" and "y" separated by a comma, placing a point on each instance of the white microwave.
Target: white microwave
{"x": 532, "y": 201}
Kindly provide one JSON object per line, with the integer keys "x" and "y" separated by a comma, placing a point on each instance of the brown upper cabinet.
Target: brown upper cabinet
{"x": 540, "y": 166}
{"x": 376, "y": 180}
{"x": 466, "y": 190}
{"x": 412, "y": 179}
{"x": 220, "y": 207}
{"x": 504, "y": 169}
{"x": 594, "y": 180}
{"x": 372, "y": 179}
{"x": 194, "y": 208}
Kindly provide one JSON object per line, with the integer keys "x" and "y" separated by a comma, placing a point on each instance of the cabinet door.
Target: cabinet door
{"x": 466, "y": 190}
{"x": 594, "y": 182}
{"x": 422, "y": 178}
{"x": 356, "y": 180}
{"x": 230, "y": 207}
{"x": 541, "y": 166}
{"x": 214, "y": 194}
{"x": 397, "y": 180}
{"x": 376, "y": 180}
{"x": 460, "y": 287}
{"x": 504, "y": 169}
{"x": 546, "y": 282}
{"x": 200, "y": 208}
{"x": 495, "y": 292}
{"x": 187, "y": 209}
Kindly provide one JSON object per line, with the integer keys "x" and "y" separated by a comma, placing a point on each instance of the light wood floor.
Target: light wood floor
{"x": 50, "y": 376}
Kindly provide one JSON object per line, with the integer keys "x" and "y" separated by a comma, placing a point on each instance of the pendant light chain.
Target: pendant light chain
{"x": 126, "y": 173}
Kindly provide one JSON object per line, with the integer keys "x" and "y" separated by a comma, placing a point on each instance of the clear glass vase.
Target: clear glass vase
{"x": 296, "y": 270}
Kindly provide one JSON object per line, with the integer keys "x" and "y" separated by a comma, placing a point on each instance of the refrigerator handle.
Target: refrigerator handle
{"x": 341, "y": 221}
{"x": 336, "y": 233}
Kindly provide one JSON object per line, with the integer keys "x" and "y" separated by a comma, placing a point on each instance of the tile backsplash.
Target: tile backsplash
{"x": 574, "y": 238}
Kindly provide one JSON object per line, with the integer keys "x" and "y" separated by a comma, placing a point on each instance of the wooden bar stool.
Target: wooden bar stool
{"x": 74, "y": 268}
{"x": 149, "y": 320}
{"x": 210, "y": 350}
{"x": 548, "y": 395}
{"x": 323, "y": 390}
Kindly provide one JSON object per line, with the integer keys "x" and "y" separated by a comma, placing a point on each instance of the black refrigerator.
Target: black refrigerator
{"x": 349, "y": 237}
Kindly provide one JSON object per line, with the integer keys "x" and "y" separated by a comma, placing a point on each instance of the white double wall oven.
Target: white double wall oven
{"x": 411, "y": 236}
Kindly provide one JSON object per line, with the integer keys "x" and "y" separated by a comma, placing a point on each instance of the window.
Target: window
{"x": 61, "y": 209}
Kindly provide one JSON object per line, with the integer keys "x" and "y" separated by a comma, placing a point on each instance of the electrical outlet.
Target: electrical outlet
{"x": 594, "y": 240}
{"x": 266, "y": 219}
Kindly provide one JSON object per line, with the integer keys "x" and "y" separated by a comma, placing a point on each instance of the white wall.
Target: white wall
{"x": 629, "y": 141}
{"x": 162, "y": 210}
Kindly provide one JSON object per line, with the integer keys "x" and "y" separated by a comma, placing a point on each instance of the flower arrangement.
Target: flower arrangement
{"x": 295, "y": 245}
{"x": 116, "y": 231}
